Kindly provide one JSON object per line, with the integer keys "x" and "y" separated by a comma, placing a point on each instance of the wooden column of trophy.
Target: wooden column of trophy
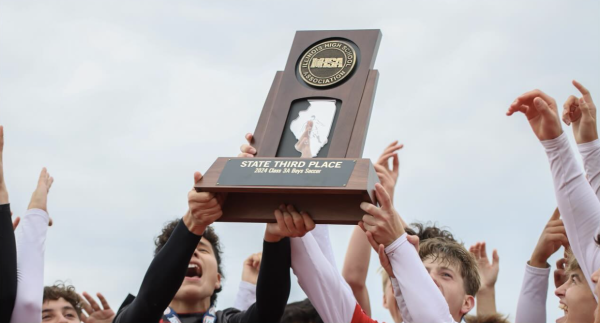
{"x": 320, "y": 107}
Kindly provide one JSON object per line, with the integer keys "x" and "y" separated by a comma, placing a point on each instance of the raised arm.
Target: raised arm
{"x": 358, "y": 255}
{"x": 273, "y": 283}
{"x": 321, "y": 282}
{"x": 486, "y": 296}
{"x": 531, "y": 307}
{"x": 8, "y": 249}
{"x": 581, "y": 114}
{"x": 424, "y": 301}
{"x": 246, "y": 294}
{"x": 577, "y": 202}
{"x": 31, "y": 239}
{"x": 167, "y": 270}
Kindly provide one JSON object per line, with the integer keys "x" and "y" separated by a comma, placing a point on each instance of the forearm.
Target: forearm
{"x": 273, "y": 285}
{"x": 426, "y": 303}
{"x": 163, "y": 278}
{"x": 486, "y": 301}
{"x": 356, "y": 267}
{"x": 590, "y": 153}
{"x": 31, "y": 239}
{"x": 577, "y": 202}
{"x": 324, "y": 286}
{"x": 245, "y": 296}
{"x": 8, "y": 269}
{"x": 531, "y": 307}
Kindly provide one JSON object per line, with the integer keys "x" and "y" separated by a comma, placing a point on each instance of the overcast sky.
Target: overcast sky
{"x": 124, "y": 100}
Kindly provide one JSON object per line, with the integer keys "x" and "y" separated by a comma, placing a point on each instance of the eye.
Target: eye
{"x": 203, "y": 250}
{"x": 446, "y": 275}
{"x": 70, "y": 315}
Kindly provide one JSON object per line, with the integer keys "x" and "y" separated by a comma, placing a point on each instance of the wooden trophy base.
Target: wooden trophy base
{"x": 337, "y": 203}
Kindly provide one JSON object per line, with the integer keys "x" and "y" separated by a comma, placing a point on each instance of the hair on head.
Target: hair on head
{"x": 67, "y": 292}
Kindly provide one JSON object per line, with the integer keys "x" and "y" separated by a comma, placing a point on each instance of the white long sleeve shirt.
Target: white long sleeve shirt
{"x": 333, "y": 298}
{"x": 531, "y": 307}
{"x": 30, "y": 239}
{"x": 246, "y": 296}
{"x": 323, "y": 284}
{"x": 577, "y": 202}
{"x": 418, "y": 298}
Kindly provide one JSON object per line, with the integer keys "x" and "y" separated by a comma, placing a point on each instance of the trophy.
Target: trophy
{"x": 309, "y": 137}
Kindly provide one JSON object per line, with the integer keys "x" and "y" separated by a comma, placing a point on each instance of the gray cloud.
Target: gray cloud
{"x": 124, "y": 100}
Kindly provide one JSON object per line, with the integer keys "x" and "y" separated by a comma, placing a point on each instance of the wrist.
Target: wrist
{"x": 487, "y": 290}
{"x": 395, "y": 236}
{"x": 195, "y": 228}
{"x": 270, "y": 237}
{"x": 538, "y": 263}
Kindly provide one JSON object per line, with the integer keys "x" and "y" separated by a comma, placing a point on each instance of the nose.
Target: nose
{"x": 62, "y": 319}
{"x": 560, "y": 291}
{"x": 596, "y": 276}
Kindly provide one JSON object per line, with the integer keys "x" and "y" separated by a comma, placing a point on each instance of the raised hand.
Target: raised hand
{"x": 553, "y": 237}
{"x": 3, "y": 190}
{"x": 39, "y": 198}
{"x": 93, "y": 313}
{"x": 581, "y": 112}
{"x": 290, "y": 223}
{"x": 541, "y": 111}
{"x": 487, "y": 271}
{"x": 384, "y": 223}
{"x": 246, "y": 150}
{"x": 251, "y": 268}
{"x": 204, "y": 209}
{"x": 389, "y": 176}
{"x": 560, "y": 272}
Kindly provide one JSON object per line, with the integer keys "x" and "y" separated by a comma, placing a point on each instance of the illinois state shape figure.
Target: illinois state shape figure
{"x": 312, "y": 127}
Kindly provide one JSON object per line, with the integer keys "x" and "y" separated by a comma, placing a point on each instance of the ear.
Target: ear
{"x": 468, "y": 304}
{"x": 218, "y": 282}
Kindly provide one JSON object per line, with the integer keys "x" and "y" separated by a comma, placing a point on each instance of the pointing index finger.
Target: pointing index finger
{"x": 581, "y": 88}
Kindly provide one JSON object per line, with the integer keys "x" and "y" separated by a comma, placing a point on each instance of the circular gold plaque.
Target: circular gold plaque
{"x": 327, "y": 63}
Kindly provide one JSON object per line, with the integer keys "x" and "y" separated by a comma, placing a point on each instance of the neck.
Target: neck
{"x": 186, "y": 306}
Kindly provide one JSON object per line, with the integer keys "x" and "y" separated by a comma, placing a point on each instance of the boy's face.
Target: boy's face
{"x": 202, "y": 277}
{"x": 59, "y": 311}
{"x": 596, "y": 280}
{"x": 576, "y": 299}
{"x": 389, "y": 302}
{"x": 450, "y": 282}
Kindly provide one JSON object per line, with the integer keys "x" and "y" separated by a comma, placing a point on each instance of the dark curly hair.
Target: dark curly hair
{"x": 58, "y": 290}
{"x": 302, "y": 311}
{"x": 209, "y": 234}
{"x": 429, "y": 230}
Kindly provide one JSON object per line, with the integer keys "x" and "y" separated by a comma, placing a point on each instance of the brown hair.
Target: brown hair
{"x": 452, "y": 252}
{"x": 424, "y": 231}
{"x": 489, "y": 318}
{"x": 60, "y": 290}
{"x": 209, "y": 234}
{"x": 429, "y": 230}
{"x": 572, "y": 263}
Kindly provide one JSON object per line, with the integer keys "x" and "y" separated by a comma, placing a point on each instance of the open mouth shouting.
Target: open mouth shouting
{"x": 565, "y": 308}
{"x": 194, "y": 272}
